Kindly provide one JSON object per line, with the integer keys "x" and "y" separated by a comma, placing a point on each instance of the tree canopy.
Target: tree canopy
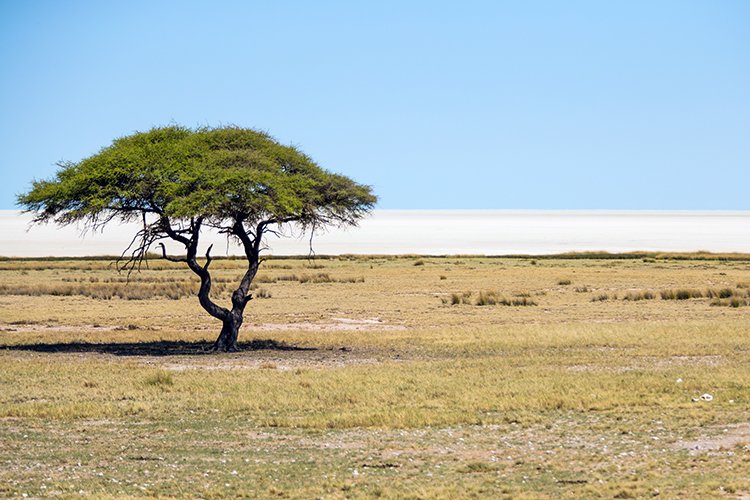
{"x": 223, "y": 174}
{"x": 178, "y": 180}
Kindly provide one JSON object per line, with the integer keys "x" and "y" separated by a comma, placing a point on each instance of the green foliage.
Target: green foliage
{"x": 221, "y": 174}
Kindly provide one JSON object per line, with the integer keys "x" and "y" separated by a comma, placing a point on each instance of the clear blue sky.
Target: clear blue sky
{"x": 478, "y": 104}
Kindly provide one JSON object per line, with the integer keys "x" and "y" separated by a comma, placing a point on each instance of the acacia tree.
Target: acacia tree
{"x": 178, "y": 181}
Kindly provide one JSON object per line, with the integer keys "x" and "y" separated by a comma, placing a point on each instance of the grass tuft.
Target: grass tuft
{"x": 681, "y": 294}
{"x": 160, "y": 378}
{"x": 639, "y": 295}
{"x": 723, "y": 293}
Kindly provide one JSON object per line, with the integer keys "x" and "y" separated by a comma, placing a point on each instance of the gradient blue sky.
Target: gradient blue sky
{"x": 509, "y": 105}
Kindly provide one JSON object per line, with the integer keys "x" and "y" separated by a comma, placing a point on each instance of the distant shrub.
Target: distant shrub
{"x": 491, "y": 298}
{"x": 107, "y": 291}
{"x": 315, "y": 266}
{"x": 308, "y": 278}
{"x": 262, "y": 278}
{"x": 486, "y": 299}
{"x": 681, "y": 294}
{"x": 639, "y": 295}
{"x": 315, "y": 278}
{"x": 277, "y": 266}
{"x": 419, "y": 263}
{"x": 262, "y": 293}
{"x": 601, "y": 297}
{"x": 460, "y": 298}
{"x": 287, "y": 277}
{"x": 564, "y": 282}
{"x": 351, "y": 279}
{"x": 723, "y": 293}
{"x": 582, "y": 289}
{"x": 518, "y": 302}
{"x": 733, "y": 302}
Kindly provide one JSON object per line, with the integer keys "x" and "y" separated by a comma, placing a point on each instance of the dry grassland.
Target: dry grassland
{"x": 377, "y": 376}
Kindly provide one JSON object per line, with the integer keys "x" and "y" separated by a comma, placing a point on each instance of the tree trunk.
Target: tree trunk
{"x": 231, "y": 319}
{"x": 227, "y": 340}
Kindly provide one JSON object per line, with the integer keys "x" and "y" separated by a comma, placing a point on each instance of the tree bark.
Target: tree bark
{"x": 231, "y": 318}
{"x": 230, "y": 330}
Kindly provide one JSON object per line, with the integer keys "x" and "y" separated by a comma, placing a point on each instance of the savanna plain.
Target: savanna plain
{"x": 571, "y": 376}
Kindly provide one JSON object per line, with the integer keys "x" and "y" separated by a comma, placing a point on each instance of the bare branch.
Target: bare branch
{"x": 311, "y": 255}
{"x": 176, "y": 235}
{"x": 171, "y": 259}
{"x": 208, "y": 257}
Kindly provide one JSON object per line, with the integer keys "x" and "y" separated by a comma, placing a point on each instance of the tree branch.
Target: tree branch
{"x": 208, "y": 257}
{"x": 167, "y": 257}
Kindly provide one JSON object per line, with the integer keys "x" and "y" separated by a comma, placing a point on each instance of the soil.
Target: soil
{"x": 731, "y": 436}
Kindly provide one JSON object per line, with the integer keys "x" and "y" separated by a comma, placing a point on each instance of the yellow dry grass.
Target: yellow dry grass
{"x": 371, "y": 383}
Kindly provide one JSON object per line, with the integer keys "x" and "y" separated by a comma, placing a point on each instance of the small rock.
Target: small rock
{"x": 705, "y": 397}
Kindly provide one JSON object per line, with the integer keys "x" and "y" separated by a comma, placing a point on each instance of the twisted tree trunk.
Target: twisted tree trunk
{"x": 230, "y": 330}
{"x": 231, "y": 318}
{"x": 227, "y": 340}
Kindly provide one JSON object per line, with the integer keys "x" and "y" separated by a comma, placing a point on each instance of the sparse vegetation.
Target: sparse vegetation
{"x": 723, "y": 293}
{"x": 488, "y": 298}
{"x": 638, "y": 295}
{"x": 310, "y": 278}
{"x": 160, "y": 378}
{"x": 458, "y": 298}
{"x": 733, "y": 302}
{"x": 566, "y": 399}
{"x": 111, "y": 290}
{"x": 681, "y": 294}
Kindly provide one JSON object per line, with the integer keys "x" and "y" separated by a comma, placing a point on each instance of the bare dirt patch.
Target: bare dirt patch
{"x": 47, "y": 327}
{"x": 652, "y": 362}
{"x": 264, "y": 361}
{"x": 335, "y": 325}
{"x": 730, "y": 437}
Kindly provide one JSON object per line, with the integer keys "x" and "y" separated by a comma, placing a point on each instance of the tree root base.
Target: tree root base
{"x": 217, "y": 349}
